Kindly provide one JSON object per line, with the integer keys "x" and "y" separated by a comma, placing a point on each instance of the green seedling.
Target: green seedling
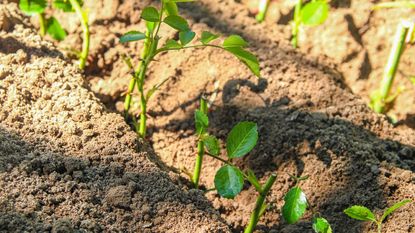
{"x": 229, "y": 179}
{"x": 364, "y": 214}
{"x": 51, "y": 25}
{"x": 321, "y": 225}
{"x": 168, "y": 15}
{"x": 262, "y": 10}
{"x": 311, "y": 14}
{"x": 381, "y": 98}
{"x": 395, "y": 4}
{"x": 295, "y": 203}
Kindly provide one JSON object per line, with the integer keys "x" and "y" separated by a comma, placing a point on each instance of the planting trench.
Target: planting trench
{"x": 68, "y": 162}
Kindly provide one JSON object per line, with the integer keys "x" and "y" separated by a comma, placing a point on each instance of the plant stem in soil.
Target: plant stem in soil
{"x": 85, "y": 28}
{"x": 398, "y": 46}
{"x": 296, "y": 23}
{"x": 42, "y": 24}
{"x": 133, "y": 82}
{"x": 262, "y": 10}
{"x": 200, "y": 149}
{"x": 259, "y": 205}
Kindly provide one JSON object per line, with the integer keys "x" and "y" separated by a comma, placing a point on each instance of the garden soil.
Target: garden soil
{"x": 309, "y": 120}
{"x": 69, "y": 165}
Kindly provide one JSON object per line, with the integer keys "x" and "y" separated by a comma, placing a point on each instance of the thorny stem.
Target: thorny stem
{"x": 200, "y": 149}
{"x": 42, "y": 24}
{"x": 296, "y": 23}
{"x": 85, "y": 28}
{"x": 398, "y": 46}
{"x": 262, "y": 10}
{"x": 259, "y": 205}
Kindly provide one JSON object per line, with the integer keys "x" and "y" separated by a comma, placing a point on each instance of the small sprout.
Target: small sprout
{"x": 229, "y": 179}
{"x": 169, "y": 15}
{"x": 381, "y": 98}
{"x": 364, "y": 214}
{"x": 311, "y": 14}
{"x": 262, "y": 10}
{"x": 321, "y": 225}
{"x": 51, "y": 25}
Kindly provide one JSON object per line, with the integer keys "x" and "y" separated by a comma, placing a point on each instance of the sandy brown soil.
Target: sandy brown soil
{"x": 358, "y": 40}
{"x": 66, "y": 164}
{"x": 310, "y": 122}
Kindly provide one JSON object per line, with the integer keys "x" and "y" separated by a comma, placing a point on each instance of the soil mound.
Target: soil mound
{"x": 66, "y": 164}
{"x": 310, "y": 122}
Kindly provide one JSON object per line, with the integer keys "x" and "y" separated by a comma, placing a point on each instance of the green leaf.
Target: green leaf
{"x": 186, "y": 37}
{"x": 150, "y": 14}
{"x": 242, "y": 139}
{"x": 65, "y": 5}
{"x": 314, "y": 13}
{"x": 54, "y": 29}
{"x": 32, "y": 7}
{"x": 393, "y": 208}
{"x": 247, "y": 58}
{"x": 201, "y": 122}
{"x": 211, "y": 144}
{"x": 321, "y": 225}
{"x": 234, "y": 41}
{"x": 294, "y": 206}
{"x": 229, "y": 181}
{"x": 177, "y": 22}
{"x": 360, "y": 213}
{"x": 171, "y": 8}
{"x": 132, "y": 36}
{"x": 208, "y": 37}
{"x": 172, "y": 44}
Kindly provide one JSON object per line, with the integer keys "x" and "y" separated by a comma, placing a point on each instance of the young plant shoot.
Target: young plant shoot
{"x": 262, "y": 10}
{"x": 379, "y": 99}
{"x": 311, "y": 14}
{"x": 168, "y": 15}
{"x": 364, "y": 214}
{"x": 51, "y": 25}
{"x": 295, "y": 202}
{"x": 229, "y": 179}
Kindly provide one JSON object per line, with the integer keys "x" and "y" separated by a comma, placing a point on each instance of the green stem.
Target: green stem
{"x": 396, "y": 4}
{"x": 42, "y": 24}
{"x": 84, "y": 23}
{"x": 379, "y": 227}
{"x": 262, "y": 10}
{"x": 397, "y": 49}
{"x": 258, "y": 210}
{"x": 133, "y": 81}
{"x": 200, "y": 149}
{"x": 296, "y": 23}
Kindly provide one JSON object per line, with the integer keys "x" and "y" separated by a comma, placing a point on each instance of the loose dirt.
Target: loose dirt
{"x": 66, "y": 163}
{"x": 309, "y": 120}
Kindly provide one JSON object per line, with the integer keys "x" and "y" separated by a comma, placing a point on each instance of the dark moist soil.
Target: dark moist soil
{"x": 310, "y": 123}
{"x": 66, "y": 163}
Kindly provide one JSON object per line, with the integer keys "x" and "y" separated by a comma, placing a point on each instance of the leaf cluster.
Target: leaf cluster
{"x": 38, "y": 7}
{"x": 233, "y": 44}
{"x": 364, "y": 214}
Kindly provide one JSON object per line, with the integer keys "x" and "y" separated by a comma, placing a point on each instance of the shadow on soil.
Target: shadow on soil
{"x": 351, "y": 154}
{"x": 42, "y": 185}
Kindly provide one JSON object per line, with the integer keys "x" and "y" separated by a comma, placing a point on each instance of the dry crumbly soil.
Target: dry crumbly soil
{"x": 69, "y": 165}
{"x": 310, "y": 123}
{"x": 358, "y": 40}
